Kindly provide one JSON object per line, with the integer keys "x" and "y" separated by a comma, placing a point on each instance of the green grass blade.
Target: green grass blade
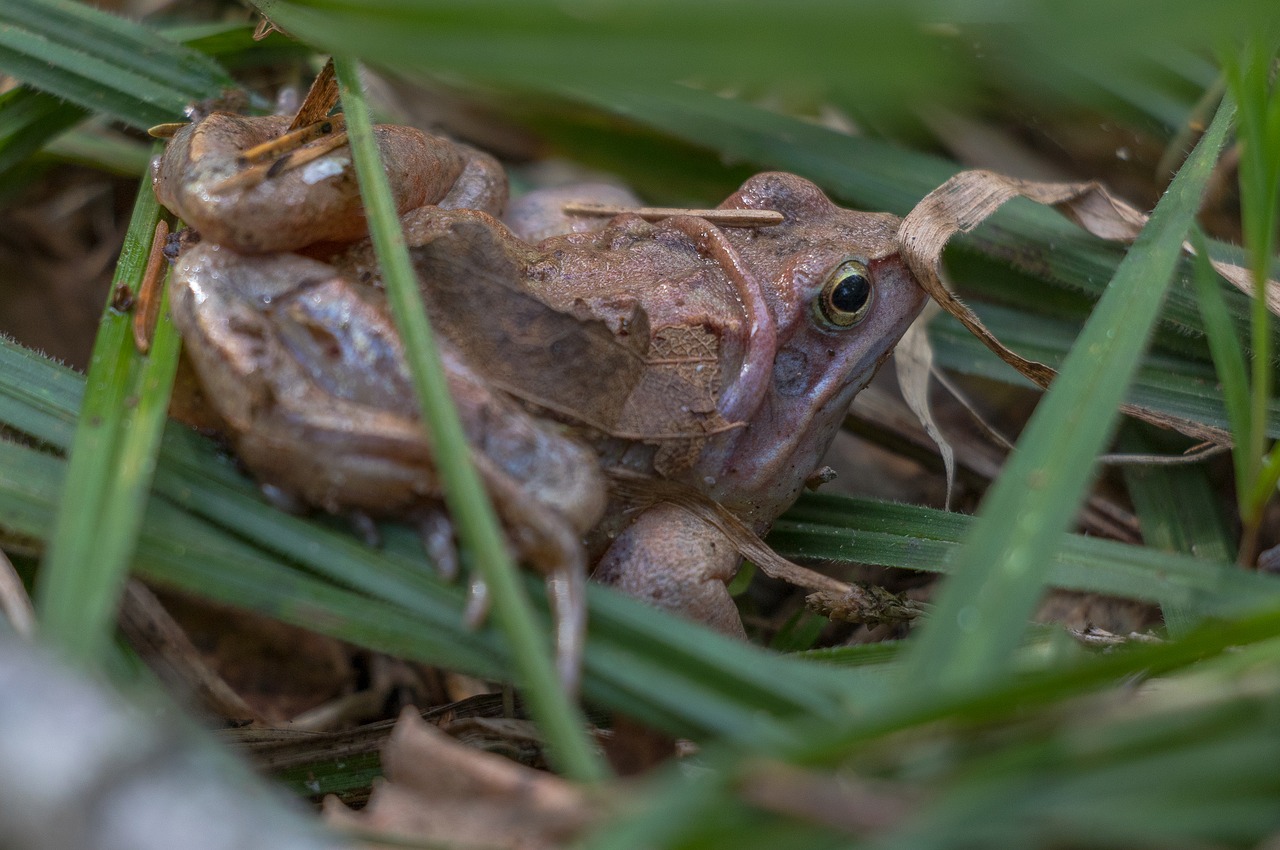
{"x": 1251, "y": 80}
{"x": 982, "y": 610}
{"x": 31, "y": 118}
{"x": 1178, "y": 510}
{"x": 1172, "y": 383}
{"x": 863, "y": 531}
{"x": 475, "y": 519}
{"x": 112, "y": 461}
{"x": 674, "y": 674}
{"x": 104, "y": 63}
{"x": 119, "y": 41}
{"x": 1228, "y": 359}
{"x": 101, "y": 149}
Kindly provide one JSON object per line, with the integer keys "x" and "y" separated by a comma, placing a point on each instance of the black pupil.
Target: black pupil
{"x": 850, "y": 294}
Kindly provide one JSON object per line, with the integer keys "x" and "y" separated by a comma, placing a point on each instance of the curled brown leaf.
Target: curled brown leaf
{"x": 969, "y": 198}
{"x": 443, "y": 792}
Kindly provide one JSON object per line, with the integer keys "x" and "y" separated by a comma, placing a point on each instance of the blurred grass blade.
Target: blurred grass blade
{"x": 31, "y": 118}
{"x": 830, "y": 743}
{"x": 1171, "y": 383}
{"x": 104, "y": 63}
{"x": 1178, "y": 511}
{"x": 35, "y": 119}
{"x": 518, "y": 42}
{"x": 103, "y": 149}
{"x": 472, "y": 513}
{"x": 111, "y": 463}
{"x": 982, "y": 610}
{"x": 1228, "y": 360}
{"x": 863, "y": 531}
{"x": 659, "y": 669}
{"x": 1251, "y": 79}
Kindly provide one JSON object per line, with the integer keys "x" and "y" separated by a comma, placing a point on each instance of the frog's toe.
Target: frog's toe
{"x": 366, "y": 528}
{"x": 435, "y": 530}
{"x": 477, "y": 608}
{"x": 567, "y": 591}
{"x": 283, "y": 500}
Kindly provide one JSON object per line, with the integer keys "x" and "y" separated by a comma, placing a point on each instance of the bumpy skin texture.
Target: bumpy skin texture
{"x": 690, "y": 352}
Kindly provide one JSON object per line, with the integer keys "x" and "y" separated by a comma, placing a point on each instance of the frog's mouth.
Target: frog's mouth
{"x": 743, "y": 392}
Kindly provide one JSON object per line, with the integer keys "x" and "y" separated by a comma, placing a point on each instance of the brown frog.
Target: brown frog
{"x": 721, "y": 358}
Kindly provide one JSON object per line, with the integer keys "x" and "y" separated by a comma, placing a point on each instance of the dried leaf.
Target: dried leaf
{"x": 320, "y": 98}
{"x": 913, "y": 361}
{"x": 676, "y": 401}
{"x": 969, "y": 198}
{"x": 568, "y": 364}
{"x": 439, "y": 791}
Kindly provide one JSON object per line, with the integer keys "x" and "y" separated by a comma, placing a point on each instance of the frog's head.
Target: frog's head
{"x": 839, "y": 298}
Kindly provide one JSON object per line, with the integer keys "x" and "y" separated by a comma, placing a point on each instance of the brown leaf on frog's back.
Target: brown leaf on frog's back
{"x": 675, "y": 404}
{"x": 471, "y": 270}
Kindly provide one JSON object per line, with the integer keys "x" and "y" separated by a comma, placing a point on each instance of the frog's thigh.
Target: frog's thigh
{"x": 674, "y": 561}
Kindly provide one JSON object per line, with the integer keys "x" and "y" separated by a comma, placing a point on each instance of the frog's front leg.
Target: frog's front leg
{"x": 675, "y": 561}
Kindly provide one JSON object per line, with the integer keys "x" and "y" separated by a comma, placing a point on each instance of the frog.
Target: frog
{"x": 719, "y": 359}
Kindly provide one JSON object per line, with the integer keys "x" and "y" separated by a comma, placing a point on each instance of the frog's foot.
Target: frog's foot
{"x": 675, "y": 561}
{"x": 284, "y": 500}
{"x": 549, "y": 542}
{"x": 366, "y": 528}
{"x": 476, "y": 611}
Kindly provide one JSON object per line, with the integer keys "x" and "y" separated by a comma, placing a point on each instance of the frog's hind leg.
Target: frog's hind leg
{"x": 675, "y": 561}
{"x": 546, "y": 540}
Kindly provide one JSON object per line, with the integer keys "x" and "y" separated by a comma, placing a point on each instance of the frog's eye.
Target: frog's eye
{"x": 845, "y": 298}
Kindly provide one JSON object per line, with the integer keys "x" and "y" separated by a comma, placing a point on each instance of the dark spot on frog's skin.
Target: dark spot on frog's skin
{"x": 791, "y": 372}
{"x": 561, "y": 348}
